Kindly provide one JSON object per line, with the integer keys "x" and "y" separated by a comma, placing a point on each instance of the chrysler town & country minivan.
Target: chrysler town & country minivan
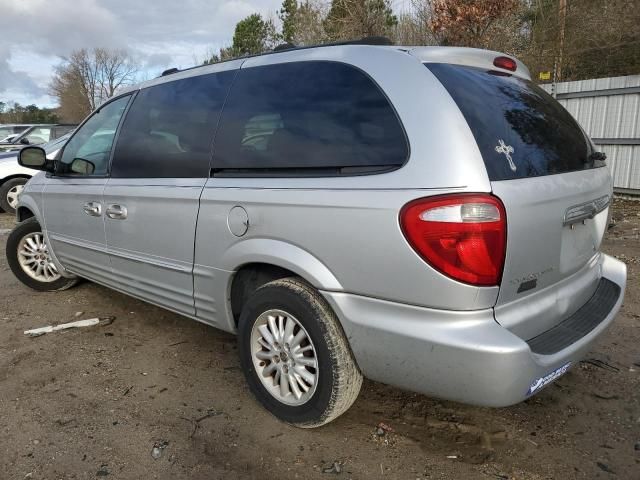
{"x": 426, "y": 217}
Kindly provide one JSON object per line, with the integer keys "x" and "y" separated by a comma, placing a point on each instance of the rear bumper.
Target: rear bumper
{"x": 464, "y": 356}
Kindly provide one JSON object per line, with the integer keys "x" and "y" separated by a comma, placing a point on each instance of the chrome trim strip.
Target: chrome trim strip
{"x": 96, "y": 247}
{"x": 584, "y": 211}
{"x": 123, "y": 254}
{"x": 134, "y": 257}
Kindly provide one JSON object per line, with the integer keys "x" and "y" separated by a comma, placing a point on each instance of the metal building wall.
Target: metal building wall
{"x": 609, "y": 111}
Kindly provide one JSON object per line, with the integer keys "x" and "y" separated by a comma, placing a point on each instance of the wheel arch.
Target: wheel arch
{"x": 4, "y": 188}
{"x": 259, "y": 261}
{"x": 27, "y": 208}
{"x": 247, "y": 279}
{"x": 16, "y": 175}
{"x": 23, "y": 213}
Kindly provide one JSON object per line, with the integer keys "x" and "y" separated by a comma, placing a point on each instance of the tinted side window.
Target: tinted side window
{"x": 308, "y": 115}
{"x": 39, "y": 135}
{"x": 93, "y": 141}
{"x": 169, "y": 128}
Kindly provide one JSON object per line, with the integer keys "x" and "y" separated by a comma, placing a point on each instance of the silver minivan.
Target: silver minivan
{"x": 425, "y": 217}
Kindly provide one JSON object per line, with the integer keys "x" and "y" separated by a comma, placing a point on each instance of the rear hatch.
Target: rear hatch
{"x": 542, "y": 166}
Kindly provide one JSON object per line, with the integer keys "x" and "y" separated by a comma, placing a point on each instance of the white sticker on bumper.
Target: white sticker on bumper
{"x": 548, "y": 378}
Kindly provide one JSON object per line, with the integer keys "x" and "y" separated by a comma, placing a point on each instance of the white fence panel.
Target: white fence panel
{"x": 609, "y": 111}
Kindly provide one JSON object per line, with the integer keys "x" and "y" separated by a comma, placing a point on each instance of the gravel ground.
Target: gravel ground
{"x": 93, "y": 402}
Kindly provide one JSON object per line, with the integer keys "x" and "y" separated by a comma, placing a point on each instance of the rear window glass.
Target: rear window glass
{"x": 307, "y": 116}
{"x": 520, "y": 129}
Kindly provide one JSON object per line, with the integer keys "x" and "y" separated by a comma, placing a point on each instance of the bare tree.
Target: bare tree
{"x": 348, "y": 19}
{"x": 413, "y": 29}
{"x": 73, "y": 102}
{"x": 575, "y": 39}
{"x": 89, "y": 77}
{"x": 464, "y": 22}
{"x": 117, "y": 68}
{"x": 422, "y": 17}
{"x": 308, "y": 23}
{"x": 585, "y": 39}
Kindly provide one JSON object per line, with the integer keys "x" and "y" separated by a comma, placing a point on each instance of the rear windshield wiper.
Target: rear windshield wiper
{"x": 598, "y": 156}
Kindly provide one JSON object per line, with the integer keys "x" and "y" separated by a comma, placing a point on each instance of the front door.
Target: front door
{"x": 73, "y": 210}
{"x": 159, "y": 168}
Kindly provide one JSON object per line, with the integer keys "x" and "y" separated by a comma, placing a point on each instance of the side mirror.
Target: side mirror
{"x": 36, "y": 158}
{"x": 24, "y": 141}
{"x": 82, "y": 166}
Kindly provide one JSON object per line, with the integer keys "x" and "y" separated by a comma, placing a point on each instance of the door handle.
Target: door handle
{"x": 92, "y": 208}
{"x": 117, "y": 212}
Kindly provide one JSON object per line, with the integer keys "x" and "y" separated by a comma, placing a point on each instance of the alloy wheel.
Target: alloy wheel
{"x": 34, "y": 258}
{"x": 13, "y": 194}
{"x": 284, "y": 357}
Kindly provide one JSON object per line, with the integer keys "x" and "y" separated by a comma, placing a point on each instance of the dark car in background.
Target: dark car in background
{"x": 34, "y": 135}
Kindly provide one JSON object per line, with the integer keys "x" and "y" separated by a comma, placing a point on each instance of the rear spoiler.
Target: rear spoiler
{"x": 472, "y": 57}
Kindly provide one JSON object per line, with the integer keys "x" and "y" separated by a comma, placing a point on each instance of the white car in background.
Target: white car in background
{"x": 13, "y": 176}
{"x": 38, "y": 134}
{"x": 10, "y": 131}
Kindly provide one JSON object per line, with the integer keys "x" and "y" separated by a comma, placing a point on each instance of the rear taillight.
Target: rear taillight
{"x": 463, "y": 236}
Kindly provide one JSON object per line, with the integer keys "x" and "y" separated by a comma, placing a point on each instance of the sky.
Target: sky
{"x": 35, "y": 34}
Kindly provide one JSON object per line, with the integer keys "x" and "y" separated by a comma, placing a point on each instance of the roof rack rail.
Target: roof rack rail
{"x": 284, "y": 46}
{"x": 373, "y": 40}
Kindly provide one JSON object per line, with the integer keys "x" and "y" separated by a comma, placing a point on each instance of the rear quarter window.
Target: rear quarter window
{"x": 520, "y": 129}
{"x": 302, "y": 117}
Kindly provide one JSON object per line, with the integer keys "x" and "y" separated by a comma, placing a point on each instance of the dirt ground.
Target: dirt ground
{"x": 93, "y": 402}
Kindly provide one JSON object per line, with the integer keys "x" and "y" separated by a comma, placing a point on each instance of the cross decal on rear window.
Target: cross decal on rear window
{"x": 507, "y": 150}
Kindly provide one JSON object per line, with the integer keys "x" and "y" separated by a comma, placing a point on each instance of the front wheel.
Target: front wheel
{"x": 29, "y": 259}
{"x": 295, "y": 355}
{"x": 9, "y": 193}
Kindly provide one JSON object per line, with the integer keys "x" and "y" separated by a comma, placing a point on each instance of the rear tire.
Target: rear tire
{"x": 326, "y": 390}
{"x": 29, "y": 259}
{"x": 9, "y": 192}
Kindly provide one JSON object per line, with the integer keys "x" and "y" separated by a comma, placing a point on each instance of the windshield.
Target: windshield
{"x": 520, "y": 129}
{"x": 5, "y": 132}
